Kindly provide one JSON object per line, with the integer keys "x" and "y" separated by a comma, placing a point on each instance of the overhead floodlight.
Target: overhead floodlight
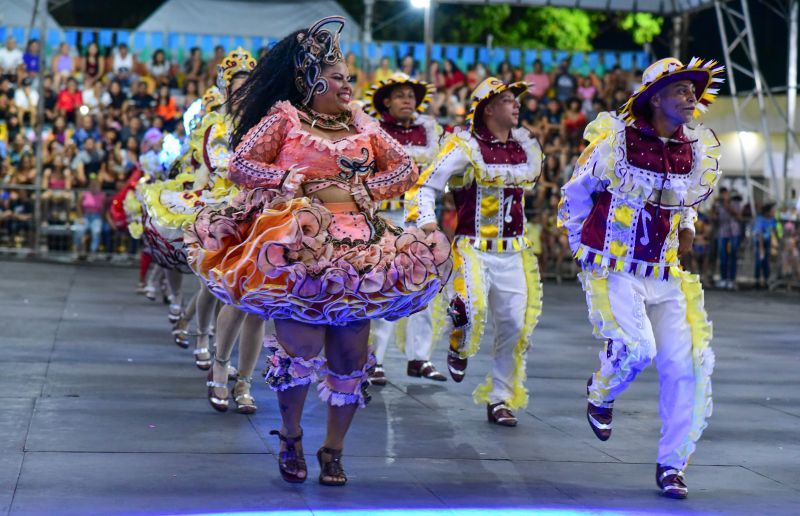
{"x": 421, "y": 4}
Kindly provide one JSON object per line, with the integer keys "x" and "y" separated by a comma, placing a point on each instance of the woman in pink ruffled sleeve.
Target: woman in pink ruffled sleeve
{"x": 302, "y": 244}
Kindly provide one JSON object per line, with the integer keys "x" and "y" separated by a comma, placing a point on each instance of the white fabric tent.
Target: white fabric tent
{"x": 266, "y": 18}
{"x": 17, "y": 13}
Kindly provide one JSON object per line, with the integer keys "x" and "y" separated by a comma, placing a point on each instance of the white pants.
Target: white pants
{"x": 507, "y": 296}
{"x": 505, "y": 288}
{"x": 650, "y": 321}
{"x": 419, "y": 339}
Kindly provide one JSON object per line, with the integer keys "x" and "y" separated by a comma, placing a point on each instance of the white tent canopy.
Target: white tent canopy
{"x": 17, "y": 13}
{"x": 267, "y": 18}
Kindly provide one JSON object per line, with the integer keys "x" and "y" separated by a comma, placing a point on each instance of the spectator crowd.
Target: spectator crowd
{"x": 98, "y": 102}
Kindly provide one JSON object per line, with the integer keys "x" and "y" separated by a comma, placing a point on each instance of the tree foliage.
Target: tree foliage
{"x": 643, "y": 27}
{"x": 542, "y": 27}
{"x": 529, "y": 27}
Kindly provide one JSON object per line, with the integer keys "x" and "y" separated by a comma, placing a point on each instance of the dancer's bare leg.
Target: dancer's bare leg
{"x": 203, "y": 305}
{"x": 298, "y": 340}
{"x": 228, "y": 323}
{"x": 174, "y": 282}
{"x": 191, "y": 307}
{"x": 346, "y": 349}
{"x": 180, "y": 330}
{"x": 251, "y": 338}
{"x": 154, "y": 276}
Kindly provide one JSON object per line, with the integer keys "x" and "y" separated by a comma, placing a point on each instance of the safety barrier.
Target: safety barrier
{"x": 59, "y": 232}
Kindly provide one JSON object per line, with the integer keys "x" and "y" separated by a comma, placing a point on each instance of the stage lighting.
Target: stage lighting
{"x": 420, "y": 4}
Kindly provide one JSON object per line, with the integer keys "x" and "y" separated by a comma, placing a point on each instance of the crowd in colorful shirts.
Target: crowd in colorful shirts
{"x": 99, "y": 102}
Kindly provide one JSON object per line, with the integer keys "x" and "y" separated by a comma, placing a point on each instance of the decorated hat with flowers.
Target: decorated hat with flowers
{"x": 237, "y": 61}
{"x": 706, "y": 75}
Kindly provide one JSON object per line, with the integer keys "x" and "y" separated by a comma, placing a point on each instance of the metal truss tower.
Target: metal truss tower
{"x": 741, "y": 60}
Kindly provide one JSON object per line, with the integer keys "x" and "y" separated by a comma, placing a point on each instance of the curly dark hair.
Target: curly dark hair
{"x": 272, "y": 81}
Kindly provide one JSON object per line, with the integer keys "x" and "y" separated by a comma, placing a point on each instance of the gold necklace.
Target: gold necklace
{"x": 340, "y": 122}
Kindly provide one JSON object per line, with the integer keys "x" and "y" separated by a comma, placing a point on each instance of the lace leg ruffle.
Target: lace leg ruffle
{"x": 286, "y": 371}
{"x": 339, "y": 390}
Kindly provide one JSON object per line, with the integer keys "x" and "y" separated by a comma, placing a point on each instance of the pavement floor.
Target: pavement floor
{"x": 101, "y": 414}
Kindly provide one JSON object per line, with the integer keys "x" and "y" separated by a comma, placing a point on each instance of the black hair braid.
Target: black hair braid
{"x": 272, "y": 81}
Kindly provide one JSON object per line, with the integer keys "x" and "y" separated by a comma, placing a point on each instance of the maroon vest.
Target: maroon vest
{"x": 412, "y": 135}
{"x": 493, "y": 152}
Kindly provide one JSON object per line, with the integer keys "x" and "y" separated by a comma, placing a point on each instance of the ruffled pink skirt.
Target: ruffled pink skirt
{"x": 291, "y": 258}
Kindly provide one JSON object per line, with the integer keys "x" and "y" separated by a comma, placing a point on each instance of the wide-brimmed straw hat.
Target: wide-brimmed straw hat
{"x": 375, "y": 94}
{"x": 487, "y": 89}
{"x": 704, "y": 74}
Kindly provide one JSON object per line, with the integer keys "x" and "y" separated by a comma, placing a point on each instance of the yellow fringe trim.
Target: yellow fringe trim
{"x": 136, "y": 229}
{"x": 400, "y": 334}
{"x": 703, "y": 360}
{"x": 595, "y": 284}
{"x": 605, "y": 326}
{"x": 440, "y": 320}
{"x": 519, "y": 397}
{"x": 133, "y": 212}
{"x": 468, "y": 283}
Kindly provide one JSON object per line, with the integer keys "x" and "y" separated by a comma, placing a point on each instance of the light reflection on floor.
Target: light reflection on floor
{"x": 484, "y": 511}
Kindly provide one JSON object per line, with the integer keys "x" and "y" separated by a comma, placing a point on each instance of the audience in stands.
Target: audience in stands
{"x": 99, "y": 102}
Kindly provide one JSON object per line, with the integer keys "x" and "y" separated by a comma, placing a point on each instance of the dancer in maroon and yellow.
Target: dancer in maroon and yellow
{"x": 629, "y": 214}
{"x": 398, "y": 103}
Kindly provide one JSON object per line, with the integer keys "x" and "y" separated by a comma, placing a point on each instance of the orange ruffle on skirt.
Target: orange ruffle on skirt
{"x": 291, "y": 258}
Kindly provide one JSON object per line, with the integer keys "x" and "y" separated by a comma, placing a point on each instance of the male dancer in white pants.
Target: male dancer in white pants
{"x": 488, "y": 169}
{"x": 628, "y": 214}
{"x": 398, "y": 103}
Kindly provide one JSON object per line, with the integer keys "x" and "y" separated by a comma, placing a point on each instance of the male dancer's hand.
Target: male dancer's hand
{"x": 429, "y": 228}
{"x": 685, "y": 239}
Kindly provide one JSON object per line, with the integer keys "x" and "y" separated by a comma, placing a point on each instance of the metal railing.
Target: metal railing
{"x": 60, "y": 232}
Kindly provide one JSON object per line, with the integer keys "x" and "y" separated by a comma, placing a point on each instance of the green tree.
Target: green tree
{"x": 529, "y": 27}
{"x": 540, "y": 27}
{"x": 643, "y": 27}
